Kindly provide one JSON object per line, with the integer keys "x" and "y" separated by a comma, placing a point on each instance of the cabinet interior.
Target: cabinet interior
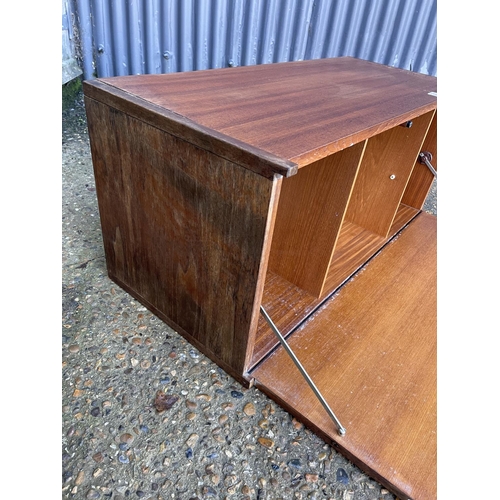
{"x": 337, "y": 213}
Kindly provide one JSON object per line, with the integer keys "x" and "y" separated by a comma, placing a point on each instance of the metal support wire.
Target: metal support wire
{"x": 303, "y": 371}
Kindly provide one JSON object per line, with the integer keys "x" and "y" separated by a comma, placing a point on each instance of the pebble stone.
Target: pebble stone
{"x": 192, "y": 440}
{"x": 295, "y": 463}
{"x": 126, "y": 438}
{"x": 220, "y": 440}
{"x": 266, "y": 442}
{"x": 249, "y": 409}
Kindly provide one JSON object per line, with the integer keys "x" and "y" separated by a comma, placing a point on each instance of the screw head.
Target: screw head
{"x": 392, "y": 177}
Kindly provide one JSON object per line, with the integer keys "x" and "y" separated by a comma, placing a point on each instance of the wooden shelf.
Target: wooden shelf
{"x": 290, "y": 305}
{"x": 357, "y": 244}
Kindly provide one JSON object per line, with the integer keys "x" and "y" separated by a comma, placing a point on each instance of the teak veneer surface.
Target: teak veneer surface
{"x": 371, "y": 351}
{"x": 310, "y": 214}
{"x": 288, "y": 304}
{"x": 298, "y": 111}
{"x": 383, "y": 175}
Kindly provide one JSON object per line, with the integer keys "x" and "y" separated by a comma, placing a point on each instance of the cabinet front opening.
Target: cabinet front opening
{"x": 332, "y": 217}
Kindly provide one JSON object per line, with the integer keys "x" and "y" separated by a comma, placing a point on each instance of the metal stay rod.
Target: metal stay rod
{"x": 425, "y": 157}
{"x": 302, "y": 371}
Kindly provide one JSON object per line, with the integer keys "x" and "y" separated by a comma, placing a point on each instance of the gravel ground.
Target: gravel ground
{"x": 218, "y": 440}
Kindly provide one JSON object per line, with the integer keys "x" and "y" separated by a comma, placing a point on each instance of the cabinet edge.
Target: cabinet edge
{"x": 229, "y": 148}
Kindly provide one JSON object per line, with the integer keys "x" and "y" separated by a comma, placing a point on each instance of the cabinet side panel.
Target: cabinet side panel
{"x": 384, "y": 173}
{"x": 310, "y": 213}
{"x": 421, "y": 178}
{"x": 183, "y": 229}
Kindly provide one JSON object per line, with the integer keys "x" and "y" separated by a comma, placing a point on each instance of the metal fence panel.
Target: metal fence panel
{"x": 70, "y": 67}
{"x": 124, "y": 37}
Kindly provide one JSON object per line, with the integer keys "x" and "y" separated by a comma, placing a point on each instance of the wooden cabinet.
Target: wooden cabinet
{"x": 295, "y": 187}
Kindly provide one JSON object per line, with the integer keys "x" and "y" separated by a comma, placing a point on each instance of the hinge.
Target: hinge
{"x": 425, "y": 157}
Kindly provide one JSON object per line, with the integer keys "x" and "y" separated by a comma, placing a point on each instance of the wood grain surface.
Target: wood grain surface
{"x": 199, "y": 188}
{"x": 300, "y": 111}
{"x": 183, "y": 230}
{"x": 421, "y": 178}
{"x": 371, "y": 351}
{"x": 288, "y": 304}
{"x": 241, "y": 153}
{"x": 356, "y": 245}
{"x": 310, "y": 213}
{"x": 384, "y": 173}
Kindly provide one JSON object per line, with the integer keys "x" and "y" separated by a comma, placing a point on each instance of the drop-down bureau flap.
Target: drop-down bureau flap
{"x": 371, "y": 351}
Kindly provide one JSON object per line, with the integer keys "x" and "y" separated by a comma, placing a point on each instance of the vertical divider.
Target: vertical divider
{"x": 421, "y": 178}
{"x": 311, "y": 210}
{"x": 384, "y": 173}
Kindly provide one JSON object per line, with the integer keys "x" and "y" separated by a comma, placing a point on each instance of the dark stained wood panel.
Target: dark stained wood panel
{"x": 371, "y": 351}
{"x": 299, "y": 111}
{"x": 184, "y": 231}
{"x": 288, "y": 305}
{"x": 231, "y": 149}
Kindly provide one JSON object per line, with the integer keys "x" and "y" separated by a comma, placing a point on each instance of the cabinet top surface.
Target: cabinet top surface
{"x": 297, "y": 111}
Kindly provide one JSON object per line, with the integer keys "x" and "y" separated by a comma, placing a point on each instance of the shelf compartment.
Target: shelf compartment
{"x": 384, "y": 173}
{"x": 371, "y": 351}
{"x": 356, "y": 245}
{"x": 311, "y": 209}
{"x": 360, "y": 186}
{"x": 289, "y": 305}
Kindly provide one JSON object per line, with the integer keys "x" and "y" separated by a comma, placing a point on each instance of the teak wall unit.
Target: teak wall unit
{"x": 295, "y": 186}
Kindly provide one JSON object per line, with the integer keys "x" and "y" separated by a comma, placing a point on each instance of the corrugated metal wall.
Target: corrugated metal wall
{"x": 124, "y": 37}
{"x": 70, "y": 68}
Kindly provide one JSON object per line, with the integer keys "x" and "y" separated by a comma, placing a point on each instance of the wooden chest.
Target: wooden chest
{"x": 297, "y": 188}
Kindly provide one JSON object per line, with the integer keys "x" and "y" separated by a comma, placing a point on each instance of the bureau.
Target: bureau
{"x": 272, "y": 215}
